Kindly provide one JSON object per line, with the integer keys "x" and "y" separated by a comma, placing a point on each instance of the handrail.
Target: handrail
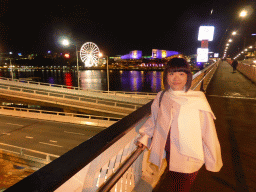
{"x": 205, "y": 75}
{"x": 120, "y": 171}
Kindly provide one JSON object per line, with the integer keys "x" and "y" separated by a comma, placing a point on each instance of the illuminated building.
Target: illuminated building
{"x": 160, "y": 54}
{"x": 136, "y": 54}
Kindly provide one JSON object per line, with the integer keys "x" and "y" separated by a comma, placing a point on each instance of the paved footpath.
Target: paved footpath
{"x": 233, "y": 100}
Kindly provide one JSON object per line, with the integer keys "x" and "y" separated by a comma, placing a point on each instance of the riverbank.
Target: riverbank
{"x": 11, "y": 173}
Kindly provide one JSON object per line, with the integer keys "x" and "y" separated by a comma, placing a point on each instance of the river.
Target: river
{"x": 120, "y": 80}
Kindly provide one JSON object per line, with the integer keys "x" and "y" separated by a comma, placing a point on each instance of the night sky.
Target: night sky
{"x": 121, "y": 26}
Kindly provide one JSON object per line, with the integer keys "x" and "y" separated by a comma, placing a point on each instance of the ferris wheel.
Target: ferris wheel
{"x": 89, "y": 54}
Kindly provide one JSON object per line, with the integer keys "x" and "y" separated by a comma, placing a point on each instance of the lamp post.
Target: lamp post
{"x": 66, "y": 42}
{"x": 100, "y": 55}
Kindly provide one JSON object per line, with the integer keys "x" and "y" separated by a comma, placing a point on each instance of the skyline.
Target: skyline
{"x": 119, "y": 29}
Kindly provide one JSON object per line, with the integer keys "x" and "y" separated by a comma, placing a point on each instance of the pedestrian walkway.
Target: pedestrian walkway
{"x": 233, "y": 100}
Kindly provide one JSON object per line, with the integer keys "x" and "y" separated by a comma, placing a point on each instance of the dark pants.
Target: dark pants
{"x": 177, "y": 181}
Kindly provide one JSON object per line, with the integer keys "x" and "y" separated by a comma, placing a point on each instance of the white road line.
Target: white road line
{"x": 28, "y": 137}
{"x": 74, "y": 133}
{"x": 53, "y": 141}
{"x": 14, "y": 124}
{"x": 50, "y": 144}
{"x": 233, "y": 97}
{"x": 6, "y": 133}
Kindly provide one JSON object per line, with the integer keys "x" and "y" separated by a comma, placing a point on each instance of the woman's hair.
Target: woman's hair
{"x": 177, "y": 65}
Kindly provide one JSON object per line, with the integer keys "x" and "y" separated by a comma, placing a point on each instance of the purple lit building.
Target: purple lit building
{"x": 136, "y": 54}
{"x": 159, "y": 54}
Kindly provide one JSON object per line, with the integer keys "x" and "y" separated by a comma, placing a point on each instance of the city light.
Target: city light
{"x": 65, "y": 42}
{"x": 234, "y": 33}
{"x": 243, "y": 13}
{"x": 67, "y": 56}
{"x": 206, "y": 33}
{"x": 202, "y": 54}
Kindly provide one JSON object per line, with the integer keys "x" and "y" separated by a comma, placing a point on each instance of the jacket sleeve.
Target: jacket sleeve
{"x": 147, "y": 130}
{"x": 211, "y": 145}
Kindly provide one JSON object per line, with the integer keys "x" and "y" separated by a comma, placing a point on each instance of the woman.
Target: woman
{"x": 181, "y": 126}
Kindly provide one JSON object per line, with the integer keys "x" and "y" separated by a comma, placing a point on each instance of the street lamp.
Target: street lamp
{"x": 66, "y": 42}
{"x": 101, "y": 55}
{"x": 243, "y": 13}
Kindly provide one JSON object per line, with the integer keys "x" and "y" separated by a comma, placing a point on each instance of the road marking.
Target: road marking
{"x": 50, "y": 144}
{"x": 6, "y": 133}
{"x": 28, "y": 137}
{"x": 233, "y": 97}
{"x": 74, "y": 133}
{"x": 53, "y": 141}
{"x": 14, "y": 124}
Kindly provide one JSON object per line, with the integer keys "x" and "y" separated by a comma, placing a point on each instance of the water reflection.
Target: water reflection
{"x": 68, "y": 79}
{"x": 92, "y": 79}
{"x": 135, "y": 81}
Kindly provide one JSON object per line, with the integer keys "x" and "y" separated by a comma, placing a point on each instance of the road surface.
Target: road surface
{"x": 45, "y": 136}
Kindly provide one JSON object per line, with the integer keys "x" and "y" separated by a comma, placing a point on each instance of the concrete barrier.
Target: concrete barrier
{"x": 58, "y": 116}
{"x": 247, "y": 68}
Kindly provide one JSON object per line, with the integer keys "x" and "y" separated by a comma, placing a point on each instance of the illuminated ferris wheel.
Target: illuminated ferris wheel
{"x": 89, "y": 54}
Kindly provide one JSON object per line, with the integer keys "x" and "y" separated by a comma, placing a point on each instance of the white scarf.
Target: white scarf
{"x": 190, "y": 135}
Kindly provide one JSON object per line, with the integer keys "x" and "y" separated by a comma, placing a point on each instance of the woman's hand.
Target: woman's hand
{"x": 140, "y": 145}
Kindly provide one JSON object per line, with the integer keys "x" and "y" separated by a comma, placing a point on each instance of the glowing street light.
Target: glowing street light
{"x": 243, "y": 13}
{"x": 234, "y": 33}
{"x": 230, "y": 40}
{"x": 65, "y": 42}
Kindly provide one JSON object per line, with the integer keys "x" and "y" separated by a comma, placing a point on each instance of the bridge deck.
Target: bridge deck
{"x": 233, "y": 100}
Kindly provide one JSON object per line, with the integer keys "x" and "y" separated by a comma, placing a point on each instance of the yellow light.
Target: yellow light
{"x": 234, "y": 33}
{"x": 163, "y": 53}
{"x": 100, "y": 54}
{"x": 243, "y": 13}
{"x": 65, "y": 42}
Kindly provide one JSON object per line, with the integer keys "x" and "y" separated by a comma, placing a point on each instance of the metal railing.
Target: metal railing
{"x": 82, "y": 116}
{"x": 72, "y": 97}
{"x": 124, "y": 93}
{"x": 33, "y": 156}
{"x": 99, "y": 160}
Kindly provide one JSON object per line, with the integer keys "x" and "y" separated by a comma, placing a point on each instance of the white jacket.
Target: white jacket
{"x": 158, "y": 126}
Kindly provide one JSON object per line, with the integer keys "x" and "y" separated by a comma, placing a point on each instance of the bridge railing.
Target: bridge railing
{"x": 88, "y": 166}
{"x": 71, "y": 97}
{"x": 102, "y": 121}
{"x": 119, "y": 93}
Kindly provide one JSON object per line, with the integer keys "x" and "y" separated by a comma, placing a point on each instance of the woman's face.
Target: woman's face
{"x": 177, "y": 80}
